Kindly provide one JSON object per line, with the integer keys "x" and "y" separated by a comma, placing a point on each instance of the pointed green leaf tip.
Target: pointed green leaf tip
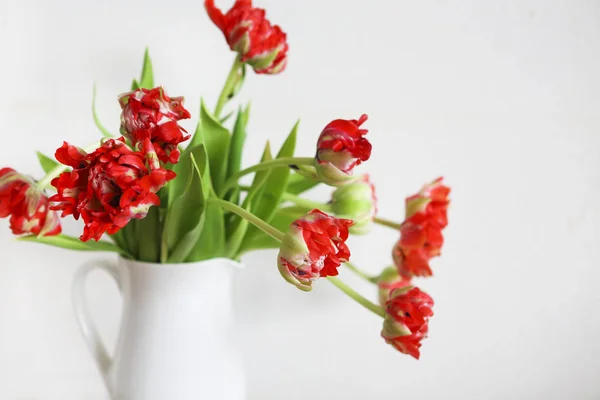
{"x": 147, "y": 78}
{"x": 47, "y": 163}
{"x": 185, "y": 212}
{"x": 278, "y": 180}
{"x": 216, "y": 139}
{"x": 270, "y": 194}
{"x": 236, "y": 147}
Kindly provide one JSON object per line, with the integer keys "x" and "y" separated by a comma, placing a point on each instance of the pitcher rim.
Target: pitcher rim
{"x": 147, "y": 264}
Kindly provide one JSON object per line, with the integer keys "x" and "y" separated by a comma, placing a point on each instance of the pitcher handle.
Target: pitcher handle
{"x": 84, "y": 320}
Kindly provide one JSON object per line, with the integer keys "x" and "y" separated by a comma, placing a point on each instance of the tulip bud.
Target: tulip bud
{"x": 341, "y": 147}
{"x": 356, "y": 201}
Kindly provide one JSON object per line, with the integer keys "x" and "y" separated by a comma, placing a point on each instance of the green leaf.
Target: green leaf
{"x": 148, "y": 235}
{"x": 135, "y": 85}
{"x": 184, "y": 170}
{"x": 129, "y": 235}
{"x": 185, "y": 214}
{"x": 270, "y": 195}
{"x": 282, "y": 220}
{"x": 185, "y": 246}
{"x": 236, "y": 237}
{"x": 276, "y": 184}
{"x": 237, "y": 142}
{"x": 298, "y": 184}
{"x": 211, "y": 243}
{"x": 118, "y": 239}
{"x": 260, "y": 241}
{"x": 105, "y": 132}
{"x": 147, "y": 78}
{"x": 224, "y": 119}
{"x": 47, "y": 163}
{"x": 72, "y": 243}
{"x": 236, "y": 147}
{"x": 260, "y": 178}
{"x": 190, "y": 240}
{"x": 215, "y": 138}
{"x": 200, "y": 164}
{"x": 255, "y": 192}
{"x": 255, "y": 189}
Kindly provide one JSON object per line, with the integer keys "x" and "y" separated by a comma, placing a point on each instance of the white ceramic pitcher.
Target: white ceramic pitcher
{"x": 176, "y": 327}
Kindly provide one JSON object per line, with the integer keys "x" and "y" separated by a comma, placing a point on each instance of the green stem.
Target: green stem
{"x": 307, "y": 172}
{"x": 362, "y": 274}
{"x": 388, "y": 223}
{"x": 306, "y": 202}
{"x": 253, "y": 219}
{"x": 164, "y": 248}
{"x": 59, "y": 169}
{"x": 118, "y": 239}
{"x": 230, "y": 83}
{"x": 278, "y": 162}
{"x": 356, "y": 296}
{"x": 45, "y": 181}
{"x": 105, "y": 132}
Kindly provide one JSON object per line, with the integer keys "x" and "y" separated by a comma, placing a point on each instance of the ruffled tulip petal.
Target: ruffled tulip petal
{"x": 149, "y": 121}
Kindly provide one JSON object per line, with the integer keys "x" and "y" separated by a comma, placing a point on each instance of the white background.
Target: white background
{"x": 500, "y": 97}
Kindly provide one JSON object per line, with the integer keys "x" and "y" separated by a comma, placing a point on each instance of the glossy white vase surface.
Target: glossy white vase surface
{"x": 176, "y": 332}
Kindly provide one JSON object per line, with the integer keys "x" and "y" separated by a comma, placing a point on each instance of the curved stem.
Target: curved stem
{"x": 230, "y": 83}
{"x": 105, "y": 132}
{"x": 278, "y": 162}
{"x": 299, "y": 201}
{"x": 388, "y": 223}
{"x": 359, "y": 272}
{"x": 56, "y": 171}
{"x": 307, "y": 172}
{"x": 253, "y": 219}
{"x": 356, "y": 296}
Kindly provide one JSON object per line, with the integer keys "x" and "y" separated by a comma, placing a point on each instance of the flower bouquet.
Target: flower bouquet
{"x": 157, "y": 194}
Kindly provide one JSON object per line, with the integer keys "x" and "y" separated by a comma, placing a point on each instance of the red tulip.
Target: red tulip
{"x": 407, "y": 314}
{"x": 247, "y": 31}
{"x": 421, "y": 232}
{"x": 313, "y": 247}
{"x": 107, "y": 188}
{"x": 340, "y": 148}
{"x": 149, "y": 121}
{"x": 27, "y": 205}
